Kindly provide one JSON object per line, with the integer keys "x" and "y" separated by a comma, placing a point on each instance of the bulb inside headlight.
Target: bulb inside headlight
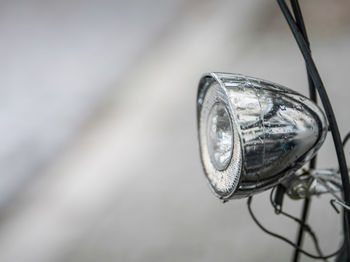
{"x": 253, "y": 133}
{"x": 219, "y": 136}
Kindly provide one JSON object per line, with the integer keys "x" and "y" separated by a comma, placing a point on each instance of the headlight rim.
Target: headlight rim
{"x": 235, "y": 166}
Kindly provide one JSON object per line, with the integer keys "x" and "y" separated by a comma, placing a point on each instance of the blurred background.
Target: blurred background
{"x": 99, "y": 157}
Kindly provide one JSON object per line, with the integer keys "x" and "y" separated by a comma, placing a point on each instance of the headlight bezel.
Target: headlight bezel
{"x": 217, "y": 94}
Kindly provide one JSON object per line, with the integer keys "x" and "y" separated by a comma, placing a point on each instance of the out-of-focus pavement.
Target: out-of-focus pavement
{"x": 106, "y": 167}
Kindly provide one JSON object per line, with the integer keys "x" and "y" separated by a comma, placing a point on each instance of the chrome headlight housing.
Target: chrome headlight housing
{"x": 253, "y": 133}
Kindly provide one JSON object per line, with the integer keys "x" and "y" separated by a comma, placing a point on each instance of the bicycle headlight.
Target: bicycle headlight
{"x": 253, "y": 133}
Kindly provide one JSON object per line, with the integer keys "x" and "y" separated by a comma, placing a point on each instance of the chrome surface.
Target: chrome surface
{"x": 341, "y": 203}
{"x": 314, "y": 182}
{"x": 275, "y": 131}
{"x": 325, "y": 181}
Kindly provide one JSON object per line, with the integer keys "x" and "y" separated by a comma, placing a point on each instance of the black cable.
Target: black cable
{"x": 301, "y": 25}
{"x": 284, "y": 238}
{"x": 346, "y": 139}
{"x": 313, "y": 96}
{"x": 304, "y": 215}
{"x": 301, "y": 222}
{"x": 312, "y": 69}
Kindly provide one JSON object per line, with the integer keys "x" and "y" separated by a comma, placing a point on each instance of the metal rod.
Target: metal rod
{"x": 304, "y": 215}
{"x": 339, "y": 203}
{"x": 312, "y": 93}
{"x": 312, "y": 69}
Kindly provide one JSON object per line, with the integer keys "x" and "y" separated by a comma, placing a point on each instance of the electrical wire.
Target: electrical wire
{"x": 284, "y": 238}
{"x": 302, "y": 224}
{"x": 312, "y": 69}
{"x": 313, "y": 96}
{"x": 346, "y": 139}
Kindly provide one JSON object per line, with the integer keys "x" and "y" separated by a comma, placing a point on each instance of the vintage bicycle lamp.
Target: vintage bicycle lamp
{"x": 253, "y": 134}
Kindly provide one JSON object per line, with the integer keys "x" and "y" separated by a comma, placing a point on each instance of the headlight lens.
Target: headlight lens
{"x": 220, "y": 135}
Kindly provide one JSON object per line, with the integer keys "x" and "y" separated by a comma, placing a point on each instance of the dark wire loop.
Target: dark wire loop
{"x": 312, "y": 69}
{"x": 301, "y": 222}
{"x": 284, "y": 238}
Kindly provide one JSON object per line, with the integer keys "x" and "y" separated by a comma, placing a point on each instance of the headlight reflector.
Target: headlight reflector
{"x": 220, "y": 136}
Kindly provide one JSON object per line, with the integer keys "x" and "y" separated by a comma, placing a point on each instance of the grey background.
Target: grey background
{"x": 99, "y": 157}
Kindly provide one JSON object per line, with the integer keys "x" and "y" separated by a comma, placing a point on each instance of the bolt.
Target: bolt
{"x": 300, "y": 190}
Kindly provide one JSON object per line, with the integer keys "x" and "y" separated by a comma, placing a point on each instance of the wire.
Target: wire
{"x": 313, "y": 96}
{"x": 302, "y": 223}
{"x": 312, "y": 69}
{"x": 346, "y": 138}
{"x": 284, "y": 238}
{"x": 332, "y": 201}
{"x": 301, "y": 25}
